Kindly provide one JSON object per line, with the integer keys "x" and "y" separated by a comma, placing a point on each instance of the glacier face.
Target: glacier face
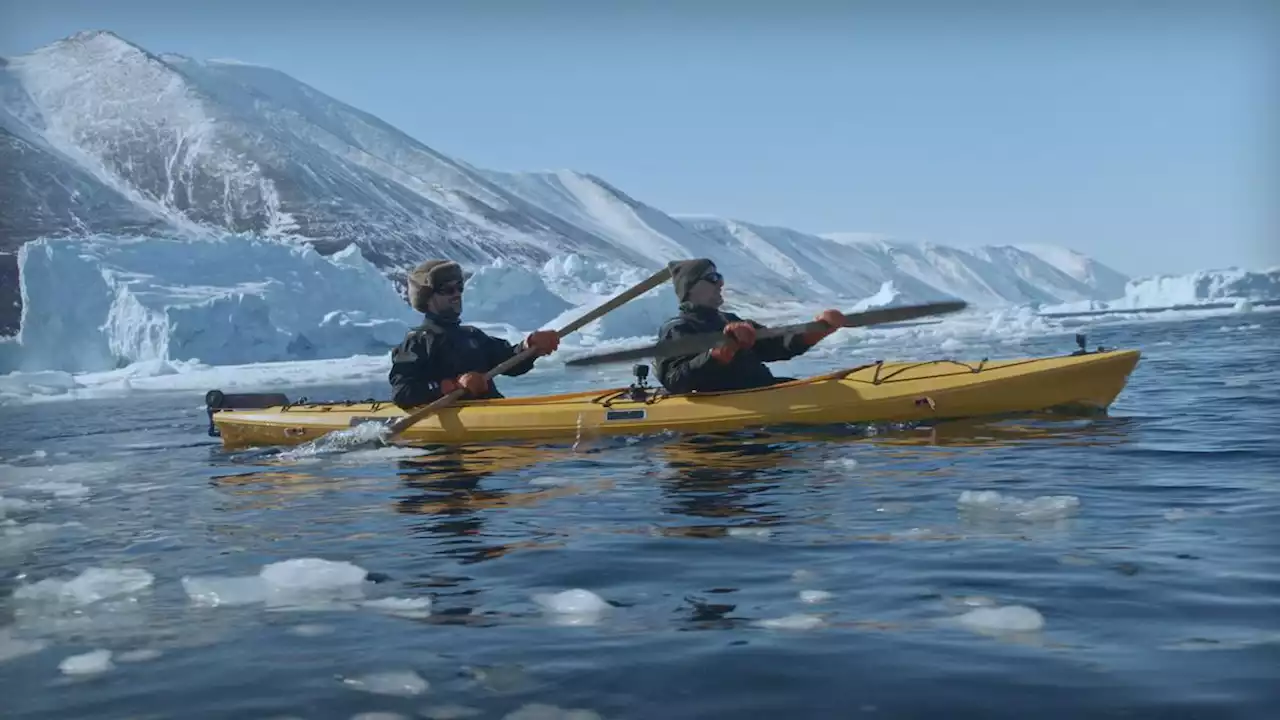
{"x": 107, "y": 302}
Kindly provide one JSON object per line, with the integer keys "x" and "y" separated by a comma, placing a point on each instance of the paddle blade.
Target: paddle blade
{"x": 694, "y": 344}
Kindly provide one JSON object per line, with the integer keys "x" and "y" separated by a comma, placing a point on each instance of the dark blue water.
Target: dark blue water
{"x": 1128, "y": 566}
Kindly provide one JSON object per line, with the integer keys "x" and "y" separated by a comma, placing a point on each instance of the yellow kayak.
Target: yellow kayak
{"x": 881, "y": 392}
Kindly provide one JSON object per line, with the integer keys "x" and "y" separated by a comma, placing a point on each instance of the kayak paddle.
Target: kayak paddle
{"x": 639, "y": 289}
{"x": 693, "y": 344}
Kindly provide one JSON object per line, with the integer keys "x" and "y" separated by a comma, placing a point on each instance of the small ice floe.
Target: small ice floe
{"x": 844, "y": 463}
{"x": 542, "y": 711}
{"x": 951, "y": 345}
{"x": 572, "y": 607}
{"x": 813, "y": 597}
{"x": 15, "y": 647}
{"x": 139, "y": 655}
{"x": 1243, "y": 305}
{"x": 311, "y": 630}
{"x": 300, "y": 583}
{"x": 90, "y": 586}
{"x": 403, "y": 683}
{"x": 993, "y": 504}
{"x": 1177, "y": 514}
{"x": 90, "y": 663}
{"x": 803, "y": 576}
{"x": 401, "y": 607}
{"x": 798, "y": 621}
{"x": 1002, "y": 620}
{"x": 750, "y": 533}
{"x": 448, "y": 712}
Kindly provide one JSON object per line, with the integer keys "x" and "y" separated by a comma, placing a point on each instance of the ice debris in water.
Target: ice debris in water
{"x": 1006, "y": 619}
{"x": 1045, "y": 507}
{"x": 750, "y": 533}
{"x": 405, "y": 683}
{"x": 14, "y": 647}
{"x": 296, "y": 582}
{"x": 799, "y": 621}
{"x": 403, "y": 607}
{"x": 803, "y": 576}
{"x": 449, "y": 712}
{"x": 90, "y": 586}
{"x": 87, "y": 664}
{"x": 573, "y": 607}
{"x": 814, "y": 597}
{"x": 542, "y": 711}
{"x": 140, "y": 655}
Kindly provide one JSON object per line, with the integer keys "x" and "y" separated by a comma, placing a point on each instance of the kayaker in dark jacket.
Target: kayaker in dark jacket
{"x": 737, "y": 365}
{"x": 442, "y": 354}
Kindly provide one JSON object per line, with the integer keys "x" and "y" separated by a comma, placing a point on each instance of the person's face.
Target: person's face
{"x": 708, "y": 291}
{"x": 446, "y": 299}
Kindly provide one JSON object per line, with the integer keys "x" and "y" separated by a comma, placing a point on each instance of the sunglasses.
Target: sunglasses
{"x": 450, "y": 289}
{"x": 713, "y": 277}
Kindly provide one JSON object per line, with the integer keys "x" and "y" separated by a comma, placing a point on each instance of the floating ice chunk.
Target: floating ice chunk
{"x": 1243, "y": 305}
{"x": 15, "y": 505}
{"x": 140, "y": 655}
{"x": 313, "y": 574}
{"x": 90, "y": 586}
{"x": 1006, "y": 619}
{"x": 58, "y": 488}
{"x": 214, "y": 591}
{"x": 798, "y": 621}
{"x": 1046, "y": 507}
{"x": 87, "y": 664}
{"x": 573, "y": 607}
{"x": 311, "y": 630}
{"x": 405, "y": 683}
{"x": 847, "y": 463}
{"x": 14, "y": 647}
{"x": 751, "y": 533}
{"x": 951, "y": 345}
{"x": 449, "y": 712}
{"x": 814, "y": 597}
{"x": 542, "y": 711}
{"x": 403, "y": 607}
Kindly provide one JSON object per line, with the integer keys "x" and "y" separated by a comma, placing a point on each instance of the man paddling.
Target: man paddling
{"x": 442, "y": 355}
{"x": 738, "y": 364}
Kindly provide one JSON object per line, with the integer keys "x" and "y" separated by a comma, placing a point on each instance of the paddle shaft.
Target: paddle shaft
{"x": 693, "y": 344}
{"x": 637, "y": 290}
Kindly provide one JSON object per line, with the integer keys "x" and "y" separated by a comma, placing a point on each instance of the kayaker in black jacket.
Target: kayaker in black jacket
{"x": 737, "y": 365}
{"x": 442, "y": 354}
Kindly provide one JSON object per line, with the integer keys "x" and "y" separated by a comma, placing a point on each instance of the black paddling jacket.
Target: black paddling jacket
{"x": 439, "y": 350}
{"x": 689, "y": 373}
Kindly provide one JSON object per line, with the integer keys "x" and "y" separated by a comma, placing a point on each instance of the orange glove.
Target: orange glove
{"x": 834, "y": 320}
{"x": 744, "y": 334}
{"x": 543, "y": 342}
{"x": 476, "y": 384}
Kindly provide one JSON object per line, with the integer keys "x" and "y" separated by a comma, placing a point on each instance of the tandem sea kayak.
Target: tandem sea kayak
{"x": 882, "y": 392}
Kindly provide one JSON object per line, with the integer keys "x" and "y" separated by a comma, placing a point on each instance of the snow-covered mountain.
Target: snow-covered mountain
{"x": 101, "y": 137}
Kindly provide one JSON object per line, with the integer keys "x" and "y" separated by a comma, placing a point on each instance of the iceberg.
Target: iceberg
{"x": 105, "y": 302}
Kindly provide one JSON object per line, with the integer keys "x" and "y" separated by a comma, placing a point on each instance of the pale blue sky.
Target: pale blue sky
{"x": 1144, "y": 138}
